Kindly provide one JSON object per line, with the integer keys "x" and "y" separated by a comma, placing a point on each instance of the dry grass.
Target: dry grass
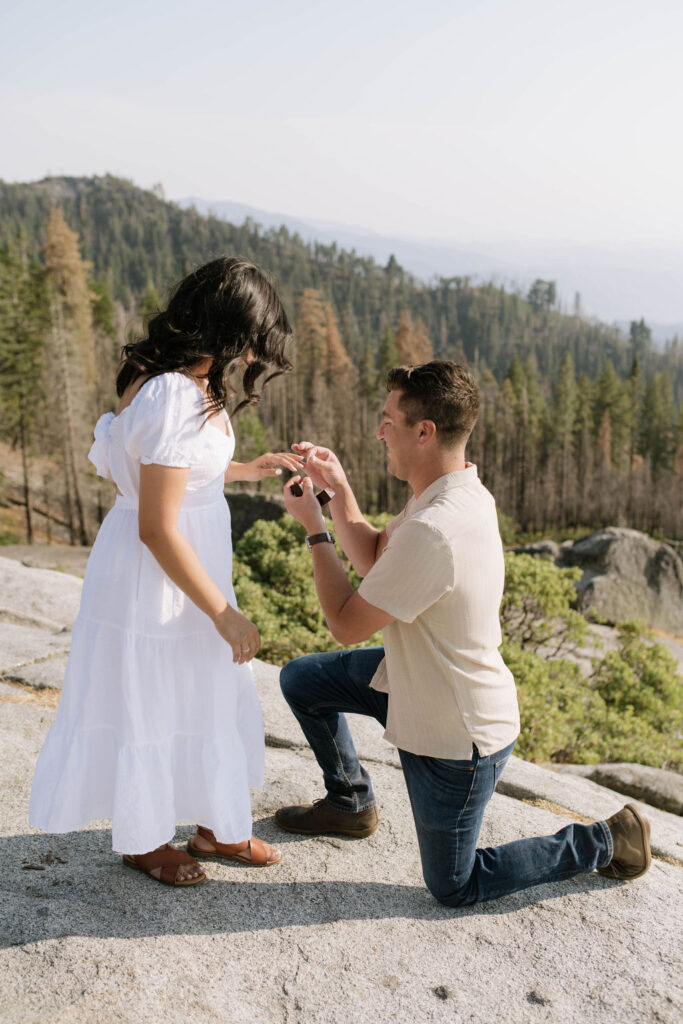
{"x": 548, "y": 805}
{"x": 25, "y": 694}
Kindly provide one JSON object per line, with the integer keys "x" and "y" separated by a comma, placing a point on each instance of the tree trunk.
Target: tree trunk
{"x": 48, "y": 523}
{"x": 23, "y": 441}
{"x": 69, "y": 438}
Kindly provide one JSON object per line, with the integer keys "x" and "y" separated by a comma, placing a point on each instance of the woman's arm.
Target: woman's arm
{"x": 265, "y": 465}
{"x": 162, "y": 489}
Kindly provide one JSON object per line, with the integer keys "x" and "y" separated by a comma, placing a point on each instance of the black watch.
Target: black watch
{"x": 319, "y": 538}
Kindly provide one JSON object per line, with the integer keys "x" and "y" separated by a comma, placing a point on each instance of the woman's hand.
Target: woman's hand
{"x": 239, "y": 632}
{"x": 322, "y": 465}
{"x": 269, "y": 464}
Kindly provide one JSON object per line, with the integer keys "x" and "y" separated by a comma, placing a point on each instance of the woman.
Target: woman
{"x": 159, "y": 719}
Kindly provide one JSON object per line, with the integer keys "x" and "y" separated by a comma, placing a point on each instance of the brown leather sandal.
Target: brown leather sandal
{"x": 255, "y": 849}
{"x": 169, "y": 859}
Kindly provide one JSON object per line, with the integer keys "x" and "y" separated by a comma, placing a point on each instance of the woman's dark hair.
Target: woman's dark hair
{"x": 221, "y": 310}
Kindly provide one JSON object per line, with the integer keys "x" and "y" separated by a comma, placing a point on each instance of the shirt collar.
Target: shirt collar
{"x": 444, "y": 483}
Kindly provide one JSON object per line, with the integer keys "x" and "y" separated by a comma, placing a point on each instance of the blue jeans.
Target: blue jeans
{"x": 447, "y": 797}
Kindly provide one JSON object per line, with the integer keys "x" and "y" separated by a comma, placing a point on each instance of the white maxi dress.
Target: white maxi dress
{"x": 156, "y": 724}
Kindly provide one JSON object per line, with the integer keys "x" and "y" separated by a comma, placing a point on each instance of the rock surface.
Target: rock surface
{"x": 547, "y": 549}
{"x": 653, "y": 786}
{"x": 36, "y": 595}
{"x": 342, "y": 931}
{"x": 628, "y": 575}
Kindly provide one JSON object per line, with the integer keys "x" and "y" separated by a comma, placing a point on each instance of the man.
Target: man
{"x": 433, "y": 581}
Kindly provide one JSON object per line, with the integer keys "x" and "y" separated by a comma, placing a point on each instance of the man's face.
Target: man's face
{"x": 400, "y": 439}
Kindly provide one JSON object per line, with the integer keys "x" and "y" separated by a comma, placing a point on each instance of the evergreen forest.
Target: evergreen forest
{"x": 580, "y": 425}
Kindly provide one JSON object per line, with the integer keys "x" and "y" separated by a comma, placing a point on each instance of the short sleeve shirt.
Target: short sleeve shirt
{"x": 441, "y": 576}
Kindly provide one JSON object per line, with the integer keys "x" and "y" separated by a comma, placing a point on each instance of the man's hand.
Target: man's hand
{"x": 322, "y": 465}
{"x": 305, "y": 509}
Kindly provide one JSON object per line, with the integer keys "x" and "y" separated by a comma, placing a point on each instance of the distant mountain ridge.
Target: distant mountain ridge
{"x": 137, "y": 241}
{"x": 420, "y": 258}
{"x": 614, "y": 286}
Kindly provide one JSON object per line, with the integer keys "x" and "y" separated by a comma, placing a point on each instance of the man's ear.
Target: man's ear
{"x": 427, "y": 431}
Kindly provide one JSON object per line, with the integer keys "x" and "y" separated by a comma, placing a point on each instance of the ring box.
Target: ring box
{"x": 322, "y": 496}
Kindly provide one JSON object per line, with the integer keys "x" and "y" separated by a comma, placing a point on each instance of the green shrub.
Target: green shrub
{"x": 274, "y": 586}
{"x": 627, "y": 709}
{"x": 536, "y": 608}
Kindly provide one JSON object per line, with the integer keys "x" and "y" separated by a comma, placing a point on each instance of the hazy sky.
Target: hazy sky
{"x": 492, "y": 120}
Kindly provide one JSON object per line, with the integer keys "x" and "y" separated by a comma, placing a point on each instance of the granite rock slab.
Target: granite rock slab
{"x": 23, "y": 646}
{"x": 43, "y": 594}
{"x": 342, "y": 931}
{"x": 655, "y": 786}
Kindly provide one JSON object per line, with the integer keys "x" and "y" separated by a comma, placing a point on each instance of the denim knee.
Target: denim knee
{"x": 450, "y": 895}
{"x": 291, "y": 677}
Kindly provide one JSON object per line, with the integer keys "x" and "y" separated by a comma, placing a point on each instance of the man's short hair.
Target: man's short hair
{"x": 443, "y": 392}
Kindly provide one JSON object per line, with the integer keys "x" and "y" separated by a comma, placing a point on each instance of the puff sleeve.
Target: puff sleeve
{"x": 166, "y": 422}
{"x": 99, "y": 452}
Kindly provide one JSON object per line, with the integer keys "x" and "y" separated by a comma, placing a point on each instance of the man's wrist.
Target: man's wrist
{"x": 313, "y": 539}
{"x": 319, "y": 526}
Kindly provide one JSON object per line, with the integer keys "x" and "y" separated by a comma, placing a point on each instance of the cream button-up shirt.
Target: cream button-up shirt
{"x": 441, "y": 576}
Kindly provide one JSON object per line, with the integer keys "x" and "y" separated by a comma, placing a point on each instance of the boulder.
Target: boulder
{"x": 245, "y": 509}
{"x": 547, "y": 549}
{"x": 654, "y": 786}
{"x": 628, "y": 575}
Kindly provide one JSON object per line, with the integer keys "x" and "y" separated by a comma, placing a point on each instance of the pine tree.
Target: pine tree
{"x": 71, "y": 357}
{"x": 23, "y": 325}
{"x": 612, "y": 396}
{"x": 657, "y": 424}
{"x": 387, "y": 354}
{"x": 640, "y": 338}
{"x": 564, "y": 418}
{"x": 412, "y": 341}
{"x": 424, "y": 350}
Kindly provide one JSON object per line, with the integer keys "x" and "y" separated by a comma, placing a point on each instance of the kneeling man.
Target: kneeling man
{"x": 433, "y": 582}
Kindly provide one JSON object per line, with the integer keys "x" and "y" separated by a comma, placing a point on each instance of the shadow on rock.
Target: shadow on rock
{"x": 73, "y": 885}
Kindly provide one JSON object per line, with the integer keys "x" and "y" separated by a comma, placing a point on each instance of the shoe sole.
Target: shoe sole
{"x": 355, "y": 834}
{"x": 645, "y": 828}
{"x": 194, "y": 851}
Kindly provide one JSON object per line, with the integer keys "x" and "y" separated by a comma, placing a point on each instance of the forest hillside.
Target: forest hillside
{"x": 581, "y": 425}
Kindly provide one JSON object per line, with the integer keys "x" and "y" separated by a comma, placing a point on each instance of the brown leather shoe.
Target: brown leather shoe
{"x": 631, "y": 837}
{"x": 321, "y": 819}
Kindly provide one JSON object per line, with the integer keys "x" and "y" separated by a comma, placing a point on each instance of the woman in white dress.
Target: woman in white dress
{"x": 159, "y": 720}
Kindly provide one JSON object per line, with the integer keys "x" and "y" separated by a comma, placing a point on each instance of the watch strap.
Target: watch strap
{"x": 319, "y": 538}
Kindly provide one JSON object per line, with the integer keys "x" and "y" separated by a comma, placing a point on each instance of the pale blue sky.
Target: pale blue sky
{"x": 473, "y": 121}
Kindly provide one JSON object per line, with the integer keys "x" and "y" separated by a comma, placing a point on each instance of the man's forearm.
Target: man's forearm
{"x": 331, "y": 584}
{"x": 356, "y": 536}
